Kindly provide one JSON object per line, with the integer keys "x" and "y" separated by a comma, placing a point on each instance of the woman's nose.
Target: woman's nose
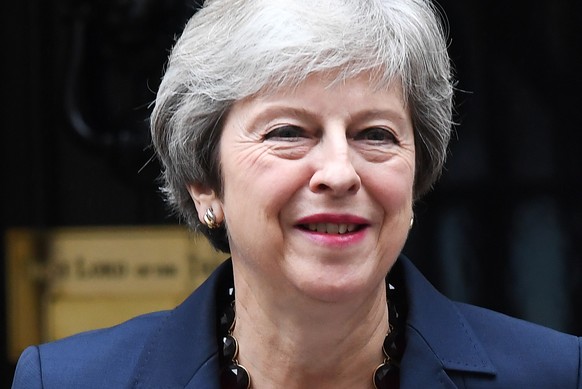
{"x": 335, "y": 172}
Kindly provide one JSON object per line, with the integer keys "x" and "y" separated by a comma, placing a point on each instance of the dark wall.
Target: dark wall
{"x": 80, "y": 81}
{"x": 502, "y": 229}
{"x": 504, "y": 226}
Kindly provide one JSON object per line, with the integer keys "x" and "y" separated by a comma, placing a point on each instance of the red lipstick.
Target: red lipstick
{"x": 333, "y": 218}
{"x": 333, "y": 230}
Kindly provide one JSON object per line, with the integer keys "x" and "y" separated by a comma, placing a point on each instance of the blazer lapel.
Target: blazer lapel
{"x": 183, "y": 352}
{"x": 438, "y": 336}
{"x": 206, "y": 376}
{"x": 420, "y": 367}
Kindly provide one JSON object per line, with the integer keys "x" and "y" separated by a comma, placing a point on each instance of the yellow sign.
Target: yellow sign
{"x": 75, "y": 279}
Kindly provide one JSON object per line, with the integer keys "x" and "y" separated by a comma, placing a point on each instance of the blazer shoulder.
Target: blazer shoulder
{"x": 161, "y": 349}
{"x": 526, "y": 352}
{"x": 27, "y": 375}
{"x": 94, "y": 359}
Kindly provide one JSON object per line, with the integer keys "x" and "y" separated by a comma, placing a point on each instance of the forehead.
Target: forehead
{"x": 364, "y": 86}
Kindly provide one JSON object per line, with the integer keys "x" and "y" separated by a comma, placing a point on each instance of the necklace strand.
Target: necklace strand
{"x": 235, "y": 376}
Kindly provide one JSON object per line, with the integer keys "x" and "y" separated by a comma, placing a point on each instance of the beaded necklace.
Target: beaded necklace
{"x": 386, "y": 376}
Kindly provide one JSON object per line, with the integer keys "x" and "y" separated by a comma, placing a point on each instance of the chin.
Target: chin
{"x": 335, "y": 287}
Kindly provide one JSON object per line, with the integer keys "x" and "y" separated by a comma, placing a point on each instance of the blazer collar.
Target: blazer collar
{"x": 438, "y": 336}
{"x": 183, "y": 353}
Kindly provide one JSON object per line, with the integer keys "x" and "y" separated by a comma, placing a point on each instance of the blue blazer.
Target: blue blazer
{"x": 448, "y": 345}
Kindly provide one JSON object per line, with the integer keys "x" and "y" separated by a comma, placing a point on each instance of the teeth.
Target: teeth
{"x": 330, "y": 228}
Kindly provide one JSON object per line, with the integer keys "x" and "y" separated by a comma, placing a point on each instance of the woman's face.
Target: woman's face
{"x": 318, "y": 187}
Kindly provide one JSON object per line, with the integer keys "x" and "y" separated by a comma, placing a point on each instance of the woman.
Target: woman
{"x": 297, "y": 135}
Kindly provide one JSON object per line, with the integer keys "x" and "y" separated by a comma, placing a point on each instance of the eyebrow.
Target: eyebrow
{"x": 305, "y": 114}
{"x": 271, "y": 112}
{"x": 277, "y": 110}
{"x": 389, "y": 114}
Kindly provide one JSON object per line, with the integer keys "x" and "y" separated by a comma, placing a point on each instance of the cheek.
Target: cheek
{"x": 260, "y": 188}
{"x": 392, "y": 189}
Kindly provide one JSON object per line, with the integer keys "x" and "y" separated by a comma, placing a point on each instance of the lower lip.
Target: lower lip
{"x": 335, "y": 240}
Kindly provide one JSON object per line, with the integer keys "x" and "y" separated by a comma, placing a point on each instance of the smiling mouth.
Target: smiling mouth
{"x": 332, "y": 228}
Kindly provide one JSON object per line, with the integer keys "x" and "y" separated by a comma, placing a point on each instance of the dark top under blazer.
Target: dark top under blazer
{"x": 449, "y": 345}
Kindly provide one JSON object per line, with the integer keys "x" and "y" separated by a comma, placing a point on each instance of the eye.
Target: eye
{"x": 376, "y": 135}
{"x": 286, "y": 132}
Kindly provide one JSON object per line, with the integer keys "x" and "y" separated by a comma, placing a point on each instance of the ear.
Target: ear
{"x": 204, "y": 198}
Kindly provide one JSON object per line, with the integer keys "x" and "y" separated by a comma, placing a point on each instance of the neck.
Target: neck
{"x": 295, "y": 342}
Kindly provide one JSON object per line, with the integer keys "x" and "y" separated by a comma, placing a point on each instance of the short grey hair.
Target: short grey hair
{"x": 232, "y": 49}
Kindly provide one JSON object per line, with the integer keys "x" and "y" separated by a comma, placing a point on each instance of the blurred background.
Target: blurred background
{"x": 502, "y": 229}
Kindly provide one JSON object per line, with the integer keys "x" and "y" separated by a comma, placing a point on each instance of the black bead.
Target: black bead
{"x": 229, "y": 348}
{"x": 390, "y": 347}
{"x": 226, "y": 320}
{"x": 386, "y": 376}
{"x": 234, "y": 376}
